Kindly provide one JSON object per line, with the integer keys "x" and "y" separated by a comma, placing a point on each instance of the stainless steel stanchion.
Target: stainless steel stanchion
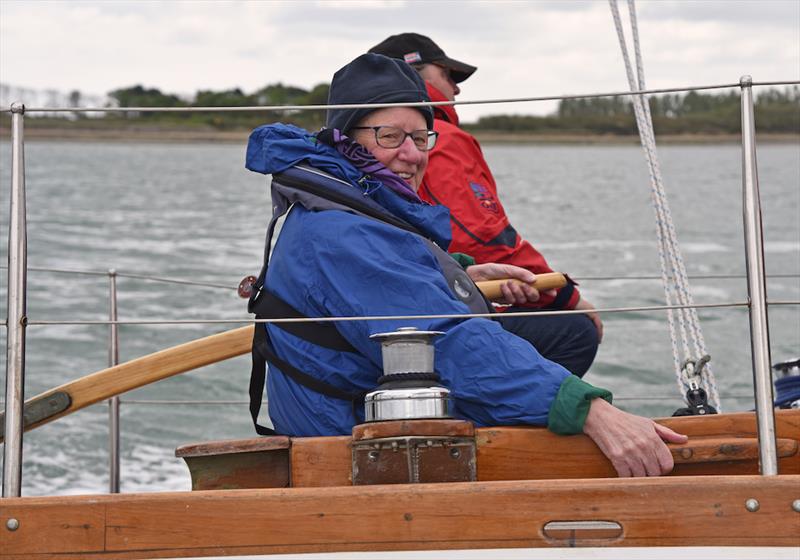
{"x": 757, "y": 287}
{"x": 113, "y": 402}
{"x": 17, "y": 310}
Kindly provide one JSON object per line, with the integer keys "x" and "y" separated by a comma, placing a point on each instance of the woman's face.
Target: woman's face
{"x": 407, "y": 161}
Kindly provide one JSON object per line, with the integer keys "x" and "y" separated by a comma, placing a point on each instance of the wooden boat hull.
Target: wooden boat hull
{"x": 534, "y": 489}
{"x": 668, "y": 511}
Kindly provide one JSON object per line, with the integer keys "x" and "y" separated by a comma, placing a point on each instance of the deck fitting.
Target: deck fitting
{"x": 752, "y": 505}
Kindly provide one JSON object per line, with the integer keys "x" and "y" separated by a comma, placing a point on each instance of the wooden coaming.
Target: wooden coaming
{"x": 722, "y": 444}
{"x": 321, "y": 461}
{"x": 666, "y": 511}
{"x": 244, "y": 463}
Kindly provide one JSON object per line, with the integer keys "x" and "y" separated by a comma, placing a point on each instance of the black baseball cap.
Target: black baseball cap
{"x": 414, "y": 48}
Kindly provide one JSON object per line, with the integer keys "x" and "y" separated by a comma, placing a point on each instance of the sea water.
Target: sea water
{"x": 192, "y": 212}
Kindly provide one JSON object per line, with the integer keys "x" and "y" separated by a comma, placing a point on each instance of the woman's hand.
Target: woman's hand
{"x": 514, "y": 293}
{"x": 632, "y": 443}
{"x": 594, "y": 316}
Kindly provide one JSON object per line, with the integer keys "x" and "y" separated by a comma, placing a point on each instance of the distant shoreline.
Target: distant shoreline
{"x": 170, "y": 135}
{"x": 550, "y": 138}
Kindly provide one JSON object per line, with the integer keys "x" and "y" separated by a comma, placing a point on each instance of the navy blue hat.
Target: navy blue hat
{"x": 374, "y": 78}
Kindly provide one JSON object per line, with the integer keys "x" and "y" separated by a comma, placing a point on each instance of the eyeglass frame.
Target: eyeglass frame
{"x": 431, "y": 136}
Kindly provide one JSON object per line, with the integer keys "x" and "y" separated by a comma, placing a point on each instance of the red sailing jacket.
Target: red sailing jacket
{"x": 459, "y": 178}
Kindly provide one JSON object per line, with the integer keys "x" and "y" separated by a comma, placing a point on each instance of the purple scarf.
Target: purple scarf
{"x": 359, "y": 156}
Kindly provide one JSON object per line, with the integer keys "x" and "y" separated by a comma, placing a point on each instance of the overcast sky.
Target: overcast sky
{"x": 522, "y": 48}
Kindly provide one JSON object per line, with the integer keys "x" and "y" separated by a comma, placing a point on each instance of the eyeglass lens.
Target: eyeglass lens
{"x": 393, "y": 137}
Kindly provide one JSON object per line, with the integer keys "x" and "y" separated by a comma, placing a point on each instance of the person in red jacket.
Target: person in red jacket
{"x": 459, "y": 177}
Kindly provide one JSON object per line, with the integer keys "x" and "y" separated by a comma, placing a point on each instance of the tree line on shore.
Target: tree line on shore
{"x": 690, "y": 113}
{"x": 776, "y": 110}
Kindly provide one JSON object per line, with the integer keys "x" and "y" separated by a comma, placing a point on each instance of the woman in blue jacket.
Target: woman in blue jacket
{"x": 331, "y": 260}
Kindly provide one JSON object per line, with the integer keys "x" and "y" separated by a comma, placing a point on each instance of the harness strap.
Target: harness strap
{"x": 269, "y": 306}
{"x": 263, "y": 353}
{"x": 365, "y": 206}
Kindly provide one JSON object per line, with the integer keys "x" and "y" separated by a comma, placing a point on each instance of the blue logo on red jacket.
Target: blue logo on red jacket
{"x": 485, "y": 198}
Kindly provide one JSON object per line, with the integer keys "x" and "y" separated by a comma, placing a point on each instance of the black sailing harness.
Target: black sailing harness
{"x": 316, "y": 190}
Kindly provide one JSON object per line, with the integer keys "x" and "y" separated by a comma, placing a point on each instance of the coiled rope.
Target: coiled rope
{"x": 673, "y": 271}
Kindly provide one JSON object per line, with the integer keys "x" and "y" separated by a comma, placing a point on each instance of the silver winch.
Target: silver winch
{"x": 409, "y": 388}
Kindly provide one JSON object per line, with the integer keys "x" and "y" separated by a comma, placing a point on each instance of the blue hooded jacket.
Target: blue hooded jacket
{"x": 336, "y": 263}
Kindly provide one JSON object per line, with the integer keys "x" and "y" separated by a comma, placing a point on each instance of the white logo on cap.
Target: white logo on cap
{"x": 412, "y": 57}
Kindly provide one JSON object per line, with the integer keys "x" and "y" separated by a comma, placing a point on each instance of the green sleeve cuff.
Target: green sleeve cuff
{"x": 571, "y": 405}
{"x": 462, "y": 259}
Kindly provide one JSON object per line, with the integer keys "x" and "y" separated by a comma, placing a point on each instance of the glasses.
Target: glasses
{"x": 392, "y": 137}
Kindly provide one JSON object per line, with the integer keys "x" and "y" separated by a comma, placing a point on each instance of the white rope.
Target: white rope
{"x": 685, "y": 296}
{"x": 673, "y": 270}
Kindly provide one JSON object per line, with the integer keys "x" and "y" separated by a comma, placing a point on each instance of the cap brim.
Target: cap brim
{"x": 459, "y": 71}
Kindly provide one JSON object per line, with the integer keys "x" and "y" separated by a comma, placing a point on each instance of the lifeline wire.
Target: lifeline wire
{"x": 262, "y": 108}
{"x": 668, "y": 247}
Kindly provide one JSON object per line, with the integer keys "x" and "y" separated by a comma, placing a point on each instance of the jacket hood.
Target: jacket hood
{"x": 274, "y": 148}
{"x": 442, "y": 112}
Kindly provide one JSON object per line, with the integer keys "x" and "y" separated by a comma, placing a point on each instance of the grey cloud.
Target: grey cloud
{"x": 782, "y": 13}
{"x": 474, "y": 20}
